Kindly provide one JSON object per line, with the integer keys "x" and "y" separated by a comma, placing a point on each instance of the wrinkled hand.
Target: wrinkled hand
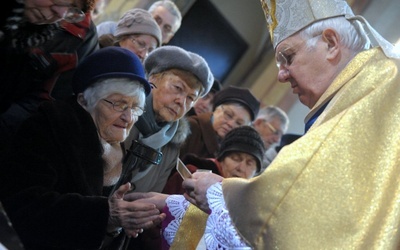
{"x": 132, "y": 216}
{"x": 197, "y": 186}
{"x": 155, "y": 198}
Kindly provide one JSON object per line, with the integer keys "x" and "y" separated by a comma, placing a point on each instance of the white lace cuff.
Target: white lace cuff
{"x": 177, "y": 206}
{"x": 220, "y": 232}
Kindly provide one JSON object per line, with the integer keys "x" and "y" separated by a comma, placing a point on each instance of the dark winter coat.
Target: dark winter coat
{"x": 202, "y": 140}
{"x": 52, "y": 180}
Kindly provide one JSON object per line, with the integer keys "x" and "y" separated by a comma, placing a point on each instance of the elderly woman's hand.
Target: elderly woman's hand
{"x": 157, "y": 199}
{"x": 132, "y": 216}
{"x": 196, "y": 188}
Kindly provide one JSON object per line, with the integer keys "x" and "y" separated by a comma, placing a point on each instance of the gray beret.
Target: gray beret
{"x": 173, "y": 57}
{"x": 138, "y": 21}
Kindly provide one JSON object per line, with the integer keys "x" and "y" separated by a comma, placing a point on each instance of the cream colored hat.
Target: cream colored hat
{"x": 286, "y": 17}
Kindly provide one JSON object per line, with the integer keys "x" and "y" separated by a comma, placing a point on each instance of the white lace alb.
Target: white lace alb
{"x": 219, "y": 233}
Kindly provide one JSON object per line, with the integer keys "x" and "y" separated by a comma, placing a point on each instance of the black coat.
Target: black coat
{"x": 52, "y": 180}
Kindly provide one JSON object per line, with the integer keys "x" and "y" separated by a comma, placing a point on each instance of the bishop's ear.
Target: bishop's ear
{"x": 332, "y": 39}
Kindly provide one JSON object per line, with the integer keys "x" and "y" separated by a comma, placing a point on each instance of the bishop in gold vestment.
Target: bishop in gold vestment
{"x": 338, "y": 186}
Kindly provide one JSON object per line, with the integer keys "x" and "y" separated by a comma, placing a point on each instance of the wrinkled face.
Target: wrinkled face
{"x": 168, "y": 23}
{"x": 172, "y": 97}
{"x": 141, "y": 45}
{"x": 305, "y": 69}
{"x": 239, "y": 164}
{"x": 270, "y": 131}
{"x": 50, "y": 11}
{"x": 229, "y": 116}
{"x": 112, "y": 125}
{"x": 204, "y": 104}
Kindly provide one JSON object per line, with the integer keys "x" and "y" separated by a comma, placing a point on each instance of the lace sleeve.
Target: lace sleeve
{"x": 177, "y": 206}
{"x": 220, "y": 232}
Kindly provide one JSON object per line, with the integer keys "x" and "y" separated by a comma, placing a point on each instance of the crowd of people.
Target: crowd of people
{"x": 82, "y": 105}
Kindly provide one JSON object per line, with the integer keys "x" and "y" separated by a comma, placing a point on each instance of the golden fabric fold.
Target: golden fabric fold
{"x": 337, "y": 187}
{"x": 191, "y": 229}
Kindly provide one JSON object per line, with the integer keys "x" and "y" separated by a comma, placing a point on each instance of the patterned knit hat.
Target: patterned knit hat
{"x": 138, "y": 21}
{"x": 243, "y": 139}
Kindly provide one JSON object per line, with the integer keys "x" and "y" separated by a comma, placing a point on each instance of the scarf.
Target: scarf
{"x": 152, "y": 133}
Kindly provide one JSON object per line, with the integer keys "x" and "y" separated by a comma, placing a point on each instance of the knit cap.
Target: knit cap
{"x": 243, "y": 139}
{"x": 138, "y": 21}
{"x": 242, "y": 96}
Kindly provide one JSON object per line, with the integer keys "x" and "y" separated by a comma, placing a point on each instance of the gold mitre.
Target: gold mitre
{"x": 286, "y": 17}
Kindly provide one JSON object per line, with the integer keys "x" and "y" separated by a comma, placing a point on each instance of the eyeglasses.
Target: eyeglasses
{"x": 285, "y": 59}
{"x": 73, "y": 14}
{"x": 141, "y": 46}
{"x": 122, "y": 106}
{"x": 229, "y": 115}
{"x": 274, "y": 130}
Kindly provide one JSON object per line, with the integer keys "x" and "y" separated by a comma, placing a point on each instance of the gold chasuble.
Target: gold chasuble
{"x": 338, "y": 186}
{"x": 191, "y": 229}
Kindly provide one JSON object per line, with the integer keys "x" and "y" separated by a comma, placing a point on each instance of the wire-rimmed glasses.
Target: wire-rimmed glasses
{"x": 122, "y": 106}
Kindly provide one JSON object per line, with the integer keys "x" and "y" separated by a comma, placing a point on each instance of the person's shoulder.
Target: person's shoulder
{"x": 106, "y": 27}
{"x": 204, "y": 117}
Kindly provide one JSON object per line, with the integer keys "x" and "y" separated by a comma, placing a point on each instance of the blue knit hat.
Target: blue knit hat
{"x": 109, "y": 62}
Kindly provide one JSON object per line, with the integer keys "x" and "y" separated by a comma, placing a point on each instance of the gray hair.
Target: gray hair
{"x": 352, "y": 33}
{"x": 105, "y": 87}
{"x": 171, "y": 7}
{"x": 271, "y": 112}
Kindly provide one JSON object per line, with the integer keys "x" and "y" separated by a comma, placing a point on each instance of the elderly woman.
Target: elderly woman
{"x": 137, "y": 31}
{"x": 233, "y": 107}
{"x": 179, "y": 78}
{"x": 58, "y": 172}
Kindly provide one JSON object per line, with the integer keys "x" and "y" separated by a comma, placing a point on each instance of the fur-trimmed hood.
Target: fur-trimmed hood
{"x": 182, "y": 132}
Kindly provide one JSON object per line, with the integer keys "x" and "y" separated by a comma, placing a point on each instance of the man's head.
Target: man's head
{"x": 179, "y": 77}
{"x": 271, "y": 123}
{"x": 168, "y": 17}
{"x": 233, "y": 107}
{"x": 313, "y": 44}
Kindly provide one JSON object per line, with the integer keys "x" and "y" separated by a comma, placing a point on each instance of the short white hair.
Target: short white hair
{"x": 271, "y": 112}
{"x": 105, "y": 87}
{"x": 171, "y": 7}
{"x": 352, "y": 33}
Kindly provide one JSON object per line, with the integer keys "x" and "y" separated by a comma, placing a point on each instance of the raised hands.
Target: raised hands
{"x": 157, "y": 199}
{"x": 130, "y": 214}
